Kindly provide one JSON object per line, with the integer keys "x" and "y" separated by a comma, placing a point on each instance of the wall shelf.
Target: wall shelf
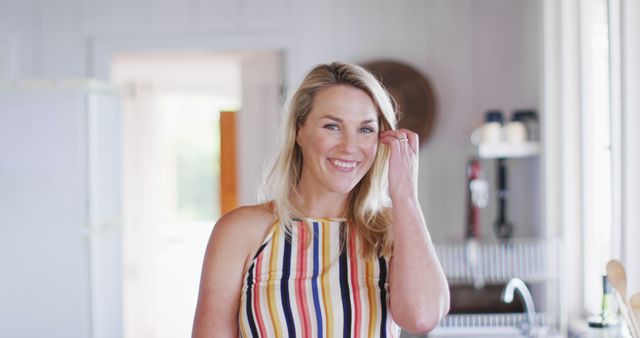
{"x": 508, "y": 150}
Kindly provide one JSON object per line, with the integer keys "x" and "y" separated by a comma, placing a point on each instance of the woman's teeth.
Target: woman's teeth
{"x": 345, "y": 165}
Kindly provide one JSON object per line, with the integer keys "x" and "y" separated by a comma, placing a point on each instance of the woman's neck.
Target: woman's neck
{"x": 314, "y": 204}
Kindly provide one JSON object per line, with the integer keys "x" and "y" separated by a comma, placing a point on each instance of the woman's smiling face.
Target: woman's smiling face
{"x": 339, "y": 140}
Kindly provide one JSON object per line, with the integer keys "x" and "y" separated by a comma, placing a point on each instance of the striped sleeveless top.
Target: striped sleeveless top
{"x": 317, "y": 291}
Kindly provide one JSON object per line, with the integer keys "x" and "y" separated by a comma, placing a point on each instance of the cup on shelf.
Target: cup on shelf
{"x": 529, "y": 118}
{"x": 491, "y": 130}
{"x": 515, "y": 132}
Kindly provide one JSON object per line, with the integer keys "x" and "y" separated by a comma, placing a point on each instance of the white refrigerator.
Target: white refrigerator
{"x": 60, "y": 209}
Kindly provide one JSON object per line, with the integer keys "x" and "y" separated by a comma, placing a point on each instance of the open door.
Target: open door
{"x": 228, "y": 168}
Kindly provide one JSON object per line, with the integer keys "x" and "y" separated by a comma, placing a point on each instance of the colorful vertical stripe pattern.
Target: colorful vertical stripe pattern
{"x": 323, "y": 289}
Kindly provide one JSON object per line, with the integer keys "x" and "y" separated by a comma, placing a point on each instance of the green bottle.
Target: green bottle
{"x": 607, "y": 301}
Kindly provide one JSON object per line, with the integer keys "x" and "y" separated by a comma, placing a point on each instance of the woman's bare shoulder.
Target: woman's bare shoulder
{"x": 242, "y": 230}
{"x": 233, "y": 240}
{"x": 248, "y": 214}
{"x": 250, "y": 221}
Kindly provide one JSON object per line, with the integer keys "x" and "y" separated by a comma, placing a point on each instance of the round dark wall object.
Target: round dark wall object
{"x": 412, "y": 92}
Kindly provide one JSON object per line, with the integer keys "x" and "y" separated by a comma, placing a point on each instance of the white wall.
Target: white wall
{"x": 631, "y": 139}
{"x": 477, "y": 54}
{"x": 481, "y": 55}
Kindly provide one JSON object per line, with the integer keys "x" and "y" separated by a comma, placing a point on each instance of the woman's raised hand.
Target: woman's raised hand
{"x": 403, "y": 163}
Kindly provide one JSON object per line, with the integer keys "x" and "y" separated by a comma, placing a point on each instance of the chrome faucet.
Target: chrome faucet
{"x": 507, "y": 297}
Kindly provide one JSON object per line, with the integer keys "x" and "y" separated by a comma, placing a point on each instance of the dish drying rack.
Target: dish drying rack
{"x": 497, "y": 320}
{"x": 535, "y": 261}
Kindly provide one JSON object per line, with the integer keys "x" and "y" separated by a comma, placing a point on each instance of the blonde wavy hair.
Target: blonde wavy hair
{"x": 367, "y": 211}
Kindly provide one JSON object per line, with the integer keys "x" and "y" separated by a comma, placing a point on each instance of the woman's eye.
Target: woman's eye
{"x": 367, "y": 130}
{"x": 331, "y": 126}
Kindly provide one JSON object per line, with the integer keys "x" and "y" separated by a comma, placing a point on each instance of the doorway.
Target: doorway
{"x": 173, "y": 103}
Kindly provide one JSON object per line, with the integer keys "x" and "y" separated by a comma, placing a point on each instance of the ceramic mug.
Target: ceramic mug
{"x": 515, "y": 132}
{"x": 490, "y": 132}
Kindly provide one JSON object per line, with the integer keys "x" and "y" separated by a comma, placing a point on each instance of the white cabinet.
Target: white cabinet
{"x": 60, "y": 210}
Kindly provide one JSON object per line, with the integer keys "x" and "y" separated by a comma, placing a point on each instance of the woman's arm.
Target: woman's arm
{"x": 419, "y": 294}
{"x": 233, "y": 240}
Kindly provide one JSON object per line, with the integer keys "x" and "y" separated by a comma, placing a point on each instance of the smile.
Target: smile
{"x": 344, "y": 165}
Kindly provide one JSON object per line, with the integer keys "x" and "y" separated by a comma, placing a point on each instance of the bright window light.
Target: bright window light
{"x": 597, "y": 151}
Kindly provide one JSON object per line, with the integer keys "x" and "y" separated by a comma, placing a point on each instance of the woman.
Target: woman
{"x": 342, "y": 248}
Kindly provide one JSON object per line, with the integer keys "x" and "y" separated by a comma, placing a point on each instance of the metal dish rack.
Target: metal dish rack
{"x": 535, "y": 261}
